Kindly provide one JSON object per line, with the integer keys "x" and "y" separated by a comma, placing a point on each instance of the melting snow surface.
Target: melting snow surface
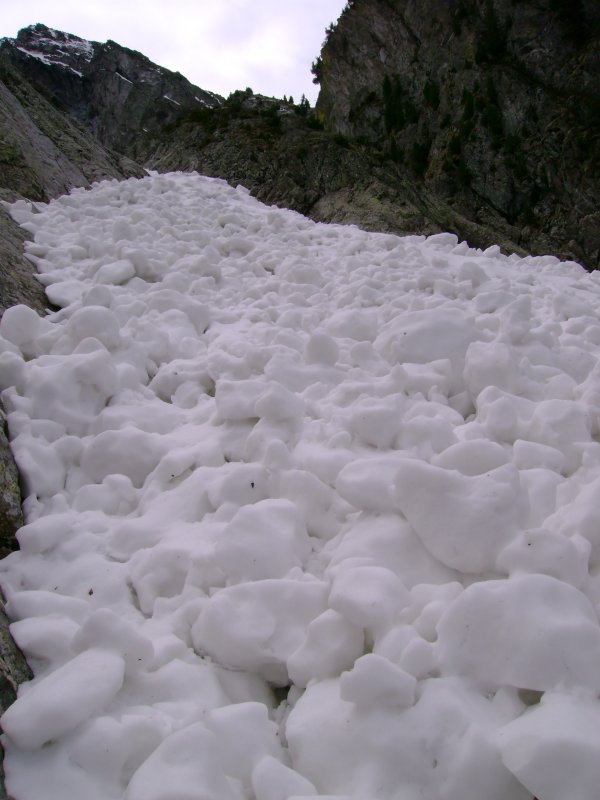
{"x": 263, "y": 453}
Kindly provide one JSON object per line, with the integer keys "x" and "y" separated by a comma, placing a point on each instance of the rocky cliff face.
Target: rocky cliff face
{"x": 492, "y": 106}
{"x": 114, "y": 92}
{"x": 43, "y": 151}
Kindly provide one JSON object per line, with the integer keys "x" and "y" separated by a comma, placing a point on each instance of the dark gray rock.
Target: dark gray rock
{"x": 490, "y": 106}
{"x": 43, "y": 151}
{"x": 11, "y": 515}
{"x": 13, "y": 667}
{"x": 13, "y": 671}
{"x": 17, "y": 280}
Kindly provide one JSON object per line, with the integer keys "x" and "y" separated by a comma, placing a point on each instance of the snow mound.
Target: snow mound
{"x": 311, "y": 512}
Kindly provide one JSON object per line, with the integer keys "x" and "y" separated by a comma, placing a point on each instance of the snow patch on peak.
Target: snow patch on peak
{"x": 57, "y": 47}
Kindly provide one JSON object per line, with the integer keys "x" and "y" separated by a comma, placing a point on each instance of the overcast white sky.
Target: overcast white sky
{"x": 220, "y": 45}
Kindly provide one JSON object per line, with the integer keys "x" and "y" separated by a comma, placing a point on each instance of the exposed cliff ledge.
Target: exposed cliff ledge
{"x": 493, "y": 106}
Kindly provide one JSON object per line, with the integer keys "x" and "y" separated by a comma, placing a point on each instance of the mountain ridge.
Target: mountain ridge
{"x": 109, "y": 89}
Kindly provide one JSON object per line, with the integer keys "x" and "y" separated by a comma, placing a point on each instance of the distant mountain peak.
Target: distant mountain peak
{"x": 111, "y": 90}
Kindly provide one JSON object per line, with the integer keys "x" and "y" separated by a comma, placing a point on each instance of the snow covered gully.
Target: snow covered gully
{"x": 311, "y": 512}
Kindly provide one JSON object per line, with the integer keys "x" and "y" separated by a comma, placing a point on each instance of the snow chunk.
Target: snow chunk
{"x": 272, "y": 780}
{"x": 263, "y": 540}
{"x": 375, "y": 681}
{"x": 580, "y": 517}
{"x": 44, "y": 637}
{"x": 87, "y": 380}
{"x": 127, "y": 451}
{"x": 544, "y": 551}
{"x": 245, "y": 736}
{"x": 531, "y": 632}
{"x": 187, "y": 762}
{"x": 95, "y": 322}
{"x": 105, "y": 629}
{"x": 64, "y": 699}
{"x": 39, "y": 603}
{"x": 473, "y": 457}
{"x": 321, "y": 349}
{"x": 554, "y": 748}
{"x": 387, "y": 540}
{"x": 357, "y": 324}
{"x": 473, "y": 517}
{"x": 332, "y": 644}
{"x": 21, "y": 325}
{"x": 442, "y": 746}
{"x": 368, "y": 483}
{"x": 423, "y": 336}
{"x": 257, "y": 626}
{"x": 369, "y": 597}
{"x": 115, "y": 273}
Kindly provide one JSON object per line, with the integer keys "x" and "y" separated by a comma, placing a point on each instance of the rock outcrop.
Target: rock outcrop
{"x": 492, "y": 106}
{"x": 43, "y": 151}
{"x": 13, "y": 671}
{"x": 282, "y": 155}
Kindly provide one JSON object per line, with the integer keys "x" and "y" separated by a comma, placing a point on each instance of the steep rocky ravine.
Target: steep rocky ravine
{"x": 475, "y": 116}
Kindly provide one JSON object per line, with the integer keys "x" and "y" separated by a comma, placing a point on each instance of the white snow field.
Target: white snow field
{"x": 260, "y": 453}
